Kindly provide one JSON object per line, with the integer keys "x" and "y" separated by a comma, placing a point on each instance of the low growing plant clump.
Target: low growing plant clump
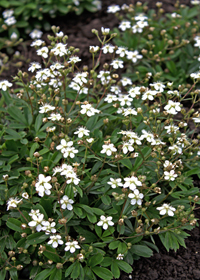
{"x": 27, "y": 14}
{"x": 158, "y": 43}
{"x": 93, "y": 166}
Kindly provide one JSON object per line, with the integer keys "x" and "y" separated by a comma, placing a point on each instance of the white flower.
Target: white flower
{"x": 195, "y": 2}
{"x": 48, "y": 227}
{"x": 37, "y": 43}
{"x": 121, "y": 51}
{"x": 88, "y": 110}
{"x": 120, "y": 257}
{"x": 90, "y": 140}
{"x": 10, "y": 21}
{"x": 4, "y": 85}
{"x": 46, "y": 108}
{"x": 134, "y": 91}
{"x": 117, "y": 63}
{"x": 126, "y": 81}
{"x": 108, "y": 149}
{"x": 36, "y": 34}
{"x": 136, "y": 29}
{"x": 105, "y": 222}
{"x": 43, "y": 52}
{"x": 125, "y": 100}
{"x": 7, "y": 13}
{"x": 136, "y": 197}
{"x": 115, "y": 183}
{"x": 132, "y": 183}
{"x": 196, "y": 120}
{"x": 42, "y": 186}
{"x": 133, "y": 56}
{"x": 115, "y": 89}
{"x": 166, "y": 209}
{"x": 72, "y": 246}
{"x": 113, "y": 9}
{"x": 149, "y": 94}
{"x": 129, "y": 111}
{"x": 149, "y": 136}
{"x": 110, "y": 98}
{"x": 37, "y": 221}
{"x": 66, "y": 203}
{"x": 60, "y": 49}
{"x": 105, "y": 31}
{"x": 64, "y": 145}
{"x": 74, "y": 59}
{"x": 70, "y": 152}
{"x": 108, "y": 48}
{"x": 171, "y": 128}
{"x": 13, "y": 203}
{"x": 125, "y": 24}
{"x": 94, "y": 49}
{"x": 170, "y": 176}
{"x": 158, "y": 86}
{"x": 127, "y": 147}
{"x": 55, "y": 240}
{"x": 13, "y": 36}
{"x": 196, "y": 76}
{"x": 175, "y": 149}
{"x": 82, "y": 131}
{"x": 172, "y": 107}
{"x": 80, "y": 78}
{"x": 60, "y": 34}
{"x": 140, "y": 17}
{"x": 25, "y": 195}
{"x": 55, "y": 117}
{"x": 34, "y": 66}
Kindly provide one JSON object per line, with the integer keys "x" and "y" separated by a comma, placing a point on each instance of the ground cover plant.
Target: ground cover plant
{"x": 93, "y": 166}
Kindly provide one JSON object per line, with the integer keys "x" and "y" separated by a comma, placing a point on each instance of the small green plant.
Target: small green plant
{"x": 26, "y": 15}
{"x": 165, "y": 43}
{"x": 93, "y": 166}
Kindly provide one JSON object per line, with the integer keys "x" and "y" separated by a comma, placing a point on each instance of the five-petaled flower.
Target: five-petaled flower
{"x": 166, "y": 209}
{"x": 105, "y": 222}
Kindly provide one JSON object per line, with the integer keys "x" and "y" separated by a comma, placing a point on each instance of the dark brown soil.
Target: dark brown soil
{"x": 185, "y": 263}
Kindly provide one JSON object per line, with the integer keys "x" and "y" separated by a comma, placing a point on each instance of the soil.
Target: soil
{"x": 185, "y": 263}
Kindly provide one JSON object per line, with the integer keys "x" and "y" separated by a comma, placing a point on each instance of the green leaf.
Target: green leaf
{"x": 76, "y": 271}
{"x": 95, "y": 260}
{"x": 122, "y": 248}
{"x": 142, "y": 251}
{"x": 92, "y": 218}
{"x": 17, "y": 115}
{"x": 98, "y": 230}
{"x": 36, "y": 238}
{"x": 106, "y": 199}
{"x": 114, "y": 245}
{"x": 14, "y": 224}
{"x": 45, "y": 273}
{"x": 2, "y": 274}
{"x": 127, "y": 163}
{"x": 38, "y": 122}
{"x": 51, "y": 254}
{"x": 13, "y": 274}
{"x": 115, "y": 269}
{"x": 103, "y": 273}
{"x": 69, "y": 269}
{"x": 56, "y": 274}
{"x": 19, "y": 10}
{"x": 98, "y": 211}
{"x": 124, "y": 266}
{"x": 192, "y": 172}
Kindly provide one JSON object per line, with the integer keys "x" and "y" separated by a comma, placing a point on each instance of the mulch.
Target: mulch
{"x": 185, "y": 263}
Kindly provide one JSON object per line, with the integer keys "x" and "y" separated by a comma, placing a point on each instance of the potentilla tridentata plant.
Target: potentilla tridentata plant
{"x": 93, "y": 166}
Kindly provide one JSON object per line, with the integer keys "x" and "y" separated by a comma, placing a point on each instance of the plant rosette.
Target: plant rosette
{"x": 93, "y": 166}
